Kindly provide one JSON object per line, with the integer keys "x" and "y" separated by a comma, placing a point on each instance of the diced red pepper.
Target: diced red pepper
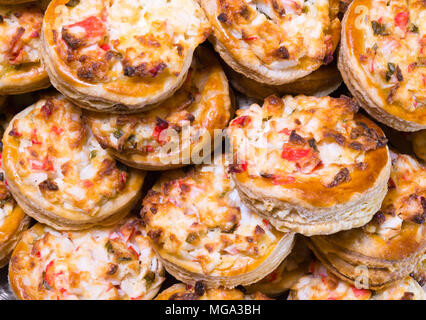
{"x": 360, "y": 292}
{"x": 14, "y": 133}
{"x": 149, "y": 148}
{"x": 93, "y": 26}
{"x": 87, "y": 183}
{"x": 238, "y": 168}
{"x": 163, "y": 125}
{"x": 49, "y": 275}
{"x": 45, "y": 165}
{"x": 57, "y": 130}
{"x": 241, "y": 121}
{"x": 252, "y": 38}
{"x": 285, "y": 131}
{"x": 35, "y": 34}
{"x": 105, "y": 47}
{"x": 401, "y": 20}
{"x": 46, "y": 110}
{"x": 293, "y": 154}
{"x": 34, "y": 138}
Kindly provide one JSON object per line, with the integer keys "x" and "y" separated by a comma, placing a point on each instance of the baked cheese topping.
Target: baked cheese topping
{"x": 201, "y": 105}
{"x": 405, "y": 202}
{"x": 198, "y": 221}
{"x": 279, "y": 34}
{"x": 102, "y": 263}
{"x": 57, "y": 159}
{"x": 392, "y": 49}
{"x": 319, "y": 284}
{"x": 20, "y": 41}
{"x": 127, "y": 41}
{"x": 182, "y": 291}
{"x": 296, "y": 140}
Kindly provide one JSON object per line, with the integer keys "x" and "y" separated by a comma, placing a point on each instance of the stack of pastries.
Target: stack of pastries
{"x": 213, "y": 149}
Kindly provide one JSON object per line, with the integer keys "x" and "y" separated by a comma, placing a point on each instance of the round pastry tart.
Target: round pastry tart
{"x": 111, "y": 263}
{"x": 179, "y": 129}
{"x": 390, "y": 245}
{"x": 58, "y": 172}
{"x": 383, "y": 60}
{"x": 288, "y": 272}
{"x": 310, "y": 165}
{"x": 274, "y": 42}
{"x": 202, "y": 231}
{"x": 181, "y": 291}
{"x": 20, "y": 62}
{"x": 318, "y": 284}
{"x": 419, "y": 144}
{"x": 319, "y": 83}
{"x": 121, "y": 55}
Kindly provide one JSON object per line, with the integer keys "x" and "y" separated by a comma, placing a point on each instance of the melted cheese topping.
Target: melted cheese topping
{"x": 201, "y": 105}
{"x": 127, "y": 41}
{"x": 405, "y": 202}
{"x": 319, "y": 284}
{"x": 302, "y": 139}
{"x": 198, "y": 220}
{"x": 182, "y": 291}
{"x": 20, "y": 41}
{"x": 102, "y": 263}
{"x": 58, "y": 160}
{"x": 392, "y": 50}
{"x": 278, "y": 34}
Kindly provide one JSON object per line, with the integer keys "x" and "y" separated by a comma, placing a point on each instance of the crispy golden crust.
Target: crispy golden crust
{"x": 92, "y": 50}
{"x": 419, "y": 144}
{"x": 274, "y": 42}
{"x": 319, "y": 83}
{"x": 382, "y": 60}
{"x": 189, "y": 118}
{"x": 181, "y": 291}
{"x": 59, "y": 174}
{"x": 393, "y": 242}
{"x": 20, "y": 63}
{"x": 309, "y": 164}
{"x": 101, "y": 263}
{"x": 202, "y": 231}
{"x": 318, "y": 284}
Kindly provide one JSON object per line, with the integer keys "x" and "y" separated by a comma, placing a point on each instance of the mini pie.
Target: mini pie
{"x": 321, "y": 285}
{"x": 181, "y": 291}
{"x": 274, "y": 42}
{"x": 287, "y": 273}
{"x": 392, "y": 244}
{"x": 202, "y": 232}
{"x": 419, "y": 144}
{"x": 121, "y": 55}
{"x": 59, "y": 174}
{"x": 383, "y": 60}
{"x": 319, "y": 83}
{"x": 167, "y": 136}
{"x": 111, "y": 263}
{"x": 310, "y": 165}
{"x": 20, "y": 62}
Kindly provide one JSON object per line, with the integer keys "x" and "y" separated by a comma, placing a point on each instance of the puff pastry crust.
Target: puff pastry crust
{"x": 181, "y": 127}
{"x": 319, "y": 83}
{"x": 274, "y": 42}
{"x": 59, "y": 174}
{"x": 21, "y": 69}
{"x": 321, "y": 285}
{"x": 121, "y": 56}
{"x": 383, "y": 60}
{"x": 114, "y": 263}
{"x": 310, "y": 165}
{"x": 202, "y": 231}
{"x": 181, "y": 291}
{"x": 392, "y": 244}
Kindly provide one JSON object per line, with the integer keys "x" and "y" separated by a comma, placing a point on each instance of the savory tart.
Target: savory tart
{"x": 179, "y": 129}
{"x": 318, "y": 284}
{"x": 309, "y": 165}
{"x": 389, "y": 246}
{"x": 181, "y": 291}
{"x": 274, "y": 42}
{"x": 383, "y": 60}
{"x": 121, "y": 55}
{"x": 288, "y": 272}
{"x": 59, "y": 174}
{"x": 319, "y": 83}
{"x": 202, "y": 231}
{"x": 102, "y": 263}
{"x": 419, "y": 144}
{"x": 20, "y": 62}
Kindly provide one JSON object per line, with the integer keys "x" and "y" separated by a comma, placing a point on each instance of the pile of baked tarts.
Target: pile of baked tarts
{"x": 213, "y": 149}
